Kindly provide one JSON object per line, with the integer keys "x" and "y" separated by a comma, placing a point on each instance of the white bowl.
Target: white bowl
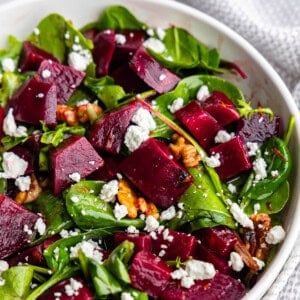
{"x": 19, "y": 17}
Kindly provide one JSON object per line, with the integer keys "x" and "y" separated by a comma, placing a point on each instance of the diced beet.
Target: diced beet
{"x": 154, "y": 74}
{"x": 142, "y": 241}
{"x": 221, "y": 108}
{"x": 108, "y": 132}
{"x": 2, "y": 116}
{"x": 234, "y": 158}
{"x": 258, "y": 128}
{"x": 66, "y": 78}
{"x": 33, "y": 143}
{"x": 32, "y": 56}
{"x": 104, "y": 47}
{"x": 74, "y": 155}
{"x": 220, "y": 287}
{"x": 16, "y": 226}
{"x": 91, "y": 34}
{"x": 219, "y": 239}
{"x": 35, "y": 101}
{"x": 171, "y": 244}
{"x": 149, "y": 273}
{"x": 83, "y": 293}
{"x": 200, "y": 123}
{"x": 27, "y": 156}
{"x": 152, "y": 170}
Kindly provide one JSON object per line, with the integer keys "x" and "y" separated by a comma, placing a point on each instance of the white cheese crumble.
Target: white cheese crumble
{"x": 74, "y": 199}
{"x": 161, "y": 33}
{"x": 109, "y": 191}
{"x": 78, "y": 61}
{"x": 143, "y": 118}
{"x": 46, "y": 73}
{"x": 27, "y": 230}
{"x": 236, "y": 262}
{"x": 82, "y": 102}
{"x": 3, "y": 265}
{"x": 260, "y": 169}
{"x": 231, "y": 188}
{"x": 132, "y": 229}
{"x": 167, "y": 236}
{"x": 213, "y": 161}
{"x": 162, "y": 77}
{"x": 75, "y": 176}
{"x": 256, "y": 208}
{"x": 13, "y": 165}
{"x": 72, "y": 289}
{"x": 135, "y": 136}
{"x": 40, "y": 226}
{"x": 8, "y": 64}
{"x": 260, "y": 263}
{"x": 203, "y": 93}
{"x": 275, "y": 235}
{"x": 253, "y": 148}
{"x": 150, "y": 31}
{"x": 36, "y": 31}
{"x": 274, "y": 173}
{"x": 120, "y": 39}
{"x": 120, "y": 211}
{"x": 155, "y": 45}
{"x": 176, "y": 105}
{"x": 126, "y": 296}
{"x": 187, "y": 282}
{"x": 168, "y": 214}
{"x": 10, "y": 127}
{"x": 40, "y": 95}
{"x": 223, "y": 136}
{"x": 23, "y": 183}
{"x": 151, "y": 224}
{"x": 90, "y": 249}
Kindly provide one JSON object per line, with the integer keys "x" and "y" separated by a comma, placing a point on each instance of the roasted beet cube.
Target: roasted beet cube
{"x": 171, "y": 244}
{"x": 142, "y": 241}
{"x": 221, "y": 108}
{"x": 149, "y": 273}
{"x": 200, "y": 123}
{"x": 154, "y": 74}
{"x": 16, "y": 226}
{"x": 91, "y": 34}
{"x": 234, "y": 158}
{"x": 258, "y": 128}
{"x": 35, "y": 101}
{"x": 66, "y": 78}
{"x": 104, "y": 47}
{"x": 155, "y": 173}
{"x": 73, "y": 159}
{"x": 32, "y": 56}
{"x": 27, "y": 155}
{"x": 108, "y": 132}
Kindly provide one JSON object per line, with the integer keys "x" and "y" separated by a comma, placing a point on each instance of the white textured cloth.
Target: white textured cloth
{"x": 273, "y": 28}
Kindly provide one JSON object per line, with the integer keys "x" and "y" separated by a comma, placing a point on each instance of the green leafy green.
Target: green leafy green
{"x": 10, "y": 142}
{"x": 13, "y": 50}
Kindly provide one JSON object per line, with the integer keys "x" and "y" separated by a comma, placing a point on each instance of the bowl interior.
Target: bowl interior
{"x": 263, "y": 84}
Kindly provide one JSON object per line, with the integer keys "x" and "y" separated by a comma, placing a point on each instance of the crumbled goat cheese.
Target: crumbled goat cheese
{"x": 67, "y": 35}
{"x": 65, "y": 233}
{"x": 3, "y": 265}
{"x": 126, "y": 296}
{"x": 40, "y": 95}
{"x": 231, "y": 188}
{"x": 260, "y": 169}
{"x": 120, "y": 39}
{"x": 75, "y": 199}
{"x": 176, "y": 105}
{"x": 109, "y": 191}
{"x": 75, "y": 176}
{"x": 213, "y": 161}
{"x": 167, "y": 236}
{"x": 200, "y": 270}
{"x": 82, "y": 102}
{"x": 236, "y": 262}
{"x": 252, "y": 148}
{"x": 256, "y": 208}
{"x": 155, "y": 45}
{"x": 275, "y": 235}
{"x": 10, "y": 127}
{"x": 13, "y": 165}
{"x": 161, "y": 33}
{"x": 78, "y": 61}
{"x": 153, "y": 235}
{"x": 120, "y": 211}
{"x": 168, "y": 214}
{"x": 36, "y": 31}
{"x": 132, "y": 229}
{"x": 151, "y": 224}
{"x": 46, "y": 73}
{"x": 179, "y": 274}
{"x": 135, "y": 136}
{"x": 40, "y": 226}
{"x": 143, "y": 118}
{"x": 150, "y": 31}
{"x": 27, "y": 230}
{"x": 180, "y": 205}
{"x": 223, "y": 136}
{"x": 162, "y": 253}
{"x": 72, "y": 289}
{"x": 89, "y": 248}
{"x": 8, "y": 64}
{"x": 260, "y": 263}
{"x": 23, "y": 183}
{"x": 203, "y": 93}
{"x": 162, "y": 77}
{"x": 187, "y": 282}
{"x": 274, "y": 173}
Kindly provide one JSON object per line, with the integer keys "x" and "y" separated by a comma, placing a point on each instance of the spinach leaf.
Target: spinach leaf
{"x": 10, "y": 142}
{"x": 77, "y": 96}
{"x": 13, "y": 49}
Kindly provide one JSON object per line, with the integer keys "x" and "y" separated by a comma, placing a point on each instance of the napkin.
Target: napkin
{"x": 273, "y": 28}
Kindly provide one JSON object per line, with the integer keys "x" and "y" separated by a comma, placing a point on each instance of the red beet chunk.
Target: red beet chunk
{"x": 258, "y": 128}
{"x": 199, "y": 122}
{"x": 219, "y": 239}
{"x": 221, "y": 108}
{"x": 35, "y": 101}
{"x": 66, "y": 78}
{"x": 142, "y": 241}
{"x": 233, "y": 157}
{"x": 74, "y": 155}
{"x": 108, "y": 132}
{"x": 155, "y": 75}
{"x": 149, "y": 273}
{"x": 91, "y": 34}
{"x": 104, "y": 47}
{"x": 220, "y": 287}
{"x": 171, "y": 244}
{"x": 32, "y": 56}
{"x": 27, "y": 156}
{"x": 60, "y": 288}
{"x": 14, "y": 217}
{"x": 154, "y": 173}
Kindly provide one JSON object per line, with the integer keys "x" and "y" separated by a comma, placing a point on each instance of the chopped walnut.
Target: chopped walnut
{"x": 32, "y": 194}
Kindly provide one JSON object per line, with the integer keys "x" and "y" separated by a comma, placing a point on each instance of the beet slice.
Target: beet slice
{"x": 221, "y": 108}
{"x": 27, "y": 155}
{"x": 74, "y": 155}
{"x": 233, "y": 157}
{"x": 108, "y": 132}
{"x": 142, "y": 241}
{"x": 66, "y": 78}
{"x": 16, "y": 226}
{"x": 152, "y": 170}
{"x": 35, "y": 101}
{"x": 171, "y": 244}
{"x": 32, "y": 56}
{"x": 152, "y": 73}
{"x": 200, "y": 123}
{"x": 258, "y": 128}
{"x": 104, "y": 47}
{"x": 149, "y": 273}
